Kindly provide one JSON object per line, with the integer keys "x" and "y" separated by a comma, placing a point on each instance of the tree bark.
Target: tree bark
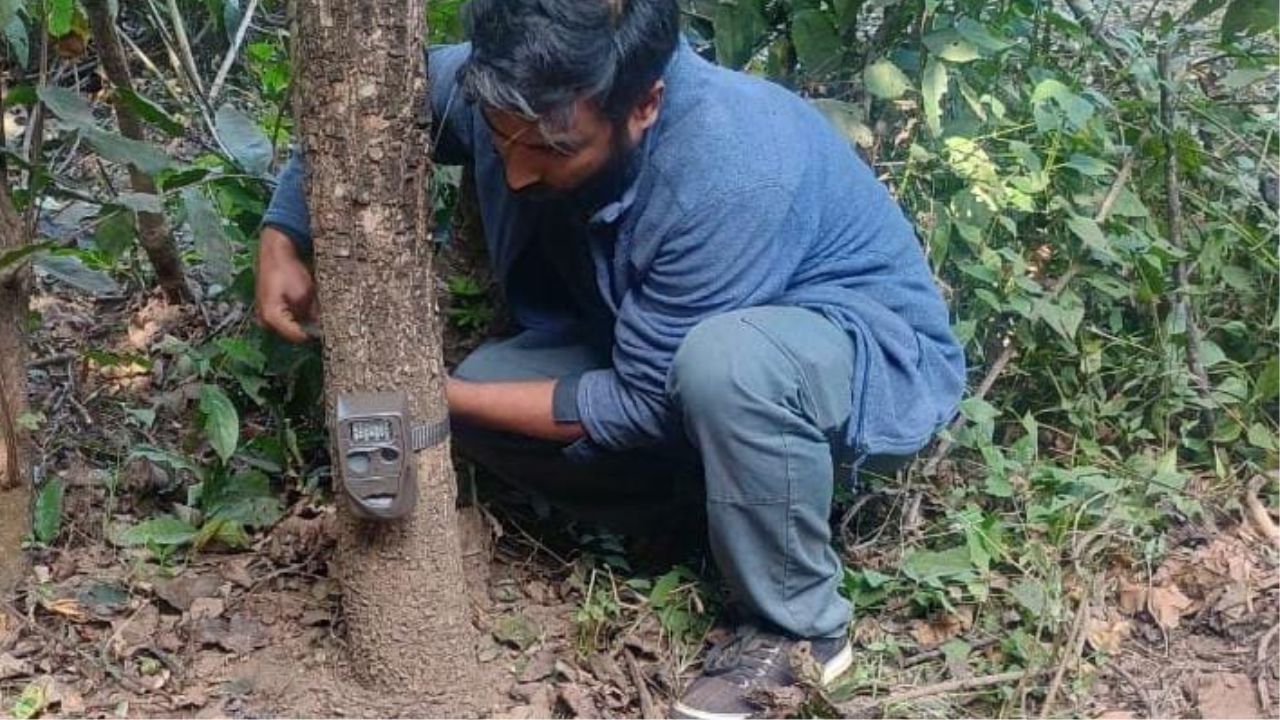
{"x": 361, "y": 84}
{"x": 153, "y": 230}
{"x": 15, "y": 468}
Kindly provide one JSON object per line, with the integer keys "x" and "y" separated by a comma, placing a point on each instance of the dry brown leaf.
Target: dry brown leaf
{"x": 68, "y": 608}
{"x": 1227, "y": 695}
{"x": 1106, "y": 636}
{"x": 934, "y": 632}
{"x": 1132, "y": 597}
{"x": 1167, "y": 604}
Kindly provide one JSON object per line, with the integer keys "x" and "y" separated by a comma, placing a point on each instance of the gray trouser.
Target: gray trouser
{"x": 763, "y": 395}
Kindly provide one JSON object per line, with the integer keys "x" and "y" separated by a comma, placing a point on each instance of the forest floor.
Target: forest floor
{"x": 104, "y": 630}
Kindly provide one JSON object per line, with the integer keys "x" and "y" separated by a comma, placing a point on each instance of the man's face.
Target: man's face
{"x": 538, "y": 165}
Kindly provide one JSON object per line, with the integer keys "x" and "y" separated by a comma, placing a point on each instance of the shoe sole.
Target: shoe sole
{"x": 834, "y": 668}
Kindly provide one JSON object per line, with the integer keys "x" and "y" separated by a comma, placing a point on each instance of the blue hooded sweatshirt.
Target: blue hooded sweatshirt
{"x": 740, "y": 195}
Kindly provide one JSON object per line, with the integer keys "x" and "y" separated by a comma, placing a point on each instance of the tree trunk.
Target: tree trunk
{"x": 360, "y": 85}
{"x": 15, "y": 468}
{"x": 153, "y": 230}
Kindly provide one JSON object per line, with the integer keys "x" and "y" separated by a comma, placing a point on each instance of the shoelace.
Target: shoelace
{"x": 746, "y": 657}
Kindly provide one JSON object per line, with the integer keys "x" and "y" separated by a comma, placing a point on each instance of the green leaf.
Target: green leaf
{"x": 29, "y": 704}
{"x": 1262, "y": 437}
{"x": 1203, "y": 9}
{"x": 885, "y": 80}
{"x": 9, "y": 11}
{"x": 223, "y": 530}
{"x": 60, "y": 14}
{"x": 739, "y": 27}
{"x": 1063, "y": 315}
{"x": 48, "y": 514}
{"x": 165, "y": 530}
{"x": 848, "y": 119}
{"x": 1092, "y": 237}
{"x": 115, "y": 234}
{"x": 980, "y": 35}
{"x": 17, "y": 255}
{"x": 928, "y": 566}
{"x": 1030, "y": 595}
{"x": 818, "y": 47}
{"x": 932, "y": 87}
{"x": 1249, "y": 17}
{"x": 15, "y": 35}
{"x": 951, "y": 46}
{"x": 172, "y": 460}
{"x": 210, "y": 237}
{"x": 145, "y": 156}
{"x": 1266, "y": 387}
{"x": 246, "y": 142}
{"x": 68, "y": 105}
{"x": 221, "y": 422}
{"x": 70, "y": 270}
{"x": 151, "y": 112}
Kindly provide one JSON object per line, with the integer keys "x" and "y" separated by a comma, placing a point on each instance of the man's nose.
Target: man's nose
{"x": 519, "y": 175}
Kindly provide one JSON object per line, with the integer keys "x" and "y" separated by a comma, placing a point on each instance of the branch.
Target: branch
{"x": 862, "y": 706}
{"x": 1081, "y": 14}
{"x": 232, "y": 51}
{"x": 1182, "y": 306}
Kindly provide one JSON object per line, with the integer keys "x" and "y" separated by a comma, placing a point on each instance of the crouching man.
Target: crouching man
{"x": 704, "y": 274}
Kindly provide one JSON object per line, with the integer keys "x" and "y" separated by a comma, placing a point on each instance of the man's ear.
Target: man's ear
{"x": 645, "y": 113}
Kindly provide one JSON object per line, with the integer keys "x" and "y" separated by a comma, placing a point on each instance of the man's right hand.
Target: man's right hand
{"x": 284, "y": 290}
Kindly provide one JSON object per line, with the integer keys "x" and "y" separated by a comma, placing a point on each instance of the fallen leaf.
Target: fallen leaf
{"x": 183, "y": 590}
{"x": 12, "y": 667}
{"x": 1107, "y": 636}
{"x": 206, "y": 607}
{"x": 1132, "y": 597}
{"x": 579, "y": 701}
{"x": 68, "y": 608}
{"x": 1227, "y": 695}
{"x": 1167, "y": 605}
{"x": 934, "y": 632}
{"x": 517, "y": 630}
{"x": 541, "y": 666}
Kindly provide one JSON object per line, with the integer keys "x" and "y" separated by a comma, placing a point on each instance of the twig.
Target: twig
{"x": 858, "y": 708}
{"x": 125, "y": 681}
{"x": 51, "y": 360}
{"x": 189, "y": 58}
{"x": 927, "y": 655}
{"x": 147, "y": 63}
{"x": 1082, "y": 16}
{"x": 1057, "y": 286}
{"x": 1182, "y": 307}
{"x": 1137, "y": 687}
{"x": 1071, "y": 651}
{"x": 1257, "y": 513}
{"x": 647, "y": 707}
{"x": 232, "y": 51}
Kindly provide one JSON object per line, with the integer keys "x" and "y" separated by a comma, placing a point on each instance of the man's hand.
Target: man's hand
{"x": 522, "y": 408}
{"x": 285, "y": 291}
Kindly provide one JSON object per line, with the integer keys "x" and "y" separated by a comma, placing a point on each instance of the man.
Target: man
{"x": 704, "y": 274}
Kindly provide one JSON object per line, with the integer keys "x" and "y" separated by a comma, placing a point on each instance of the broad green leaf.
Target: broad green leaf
{"x": 223, "y": 530}
{"x": 848, "y": 119}
{"x": 932, "y": 87}
{"x": 1092, "y": 236}
{"x": 846, "y": 14}
{"x": 151, "y": 112}
{"x": 9, "y": 11}
{"x": 60, "y": 14}
{"x": 164, "y": 530}
{"x": 139, "y": 202}
{"x": 1244, "y": 77}
{"x": 172, "y": 460}
{"x": 885, "y": 80}
{"x": 739, "y": 27}
{"x": 145, "y": 156}
{"x": 33, "y": 699}
{"x": 1261, "y": 436}
{"x": 240, "y": 350}
{"x": 951, "y": 46}
{"x": 1088, "y": 165}
{"x": 48, "y": 514}
{"x": 221, "y": 421}
{"x": 115, "y": 234}
{"x": 68, "y": 105}
{"x": 252, "y": 511}
{"x": 1266, "y": 387}
{"x": 818, "y": 47}
{"x": 15, "y": 36}
{"x": 1250, "y": 17}
{"x": 210, "y": 238}
{"x": 1203, "y": 9}
{"x": 1064, "y": 315}
{"x": 1030, "y": 595}
{"x": 246, "y": 142}
{"x": 928, "y": 566}
{"x": 980, "y": 35}
{"x": 71, "y": 271}
{"x": 17, "y": 255}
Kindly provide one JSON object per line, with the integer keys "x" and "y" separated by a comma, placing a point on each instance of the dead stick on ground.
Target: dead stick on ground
{"x": 1071, "y": 650}
{"x": 647, "y": 708}
{"x": 1057, "y": 286}
{"x": 1182, "y": 306}
{"x": 858, "y": 708}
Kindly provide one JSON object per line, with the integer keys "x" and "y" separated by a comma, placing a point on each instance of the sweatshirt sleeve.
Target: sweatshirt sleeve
{"x": 451, "y": 140}
{"x": 728, "y": 253}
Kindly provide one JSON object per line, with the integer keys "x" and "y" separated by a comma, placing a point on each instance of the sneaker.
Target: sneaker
{"x": 754, "y": 660}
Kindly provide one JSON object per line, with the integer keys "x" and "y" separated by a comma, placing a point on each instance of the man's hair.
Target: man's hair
{"x": 535, "y": 58}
